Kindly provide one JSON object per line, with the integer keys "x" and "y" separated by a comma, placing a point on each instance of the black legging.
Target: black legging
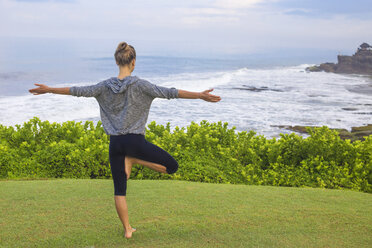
{"x": 135, "y": 145}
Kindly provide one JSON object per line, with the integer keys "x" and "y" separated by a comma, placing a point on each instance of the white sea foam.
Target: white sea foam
{"x": 196, "y": 81}
{"x": 252, "y": 99}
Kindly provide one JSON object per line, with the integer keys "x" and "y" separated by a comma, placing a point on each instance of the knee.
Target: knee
{"x": 172, "y": 168}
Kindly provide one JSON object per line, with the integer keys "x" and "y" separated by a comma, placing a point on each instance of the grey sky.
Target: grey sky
{"x": 194, "y": 27}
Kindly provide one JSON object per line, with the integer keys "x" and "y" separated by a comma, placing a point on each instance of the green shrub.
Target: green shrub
{"x": 206, "y": 152}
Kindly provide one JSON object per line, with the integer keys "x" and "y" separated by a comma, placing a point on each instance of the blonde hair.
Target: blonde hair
{"x": 124, "y": 54}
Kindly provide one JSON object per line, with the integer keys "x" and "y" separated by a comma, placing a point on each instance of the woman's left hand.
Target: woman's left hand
{"x": 42, "y": 89}
{"x": 206, "y": 96}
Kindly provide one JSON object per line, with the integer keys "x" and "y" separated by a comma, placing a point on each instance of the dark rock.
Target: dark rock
{"x": 359, "y": 63}
{"x": 328, "y": 67}
{"x": 361, "y": 134}
{"x": 252, "y": 88}
{"x": 299, "y": 129}
{"x": 357, "y": 133}
{"x": 363, "y": 113}
{"x": 313, "y": 69}
{"x": 350, "y": 109}
{"x": 362, "y": 128}
{"x": 344, "y": 134}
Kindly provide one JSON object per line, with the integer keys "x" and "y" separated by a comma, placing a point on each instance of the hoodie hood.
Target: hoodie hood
{"x": 119, "y": 86}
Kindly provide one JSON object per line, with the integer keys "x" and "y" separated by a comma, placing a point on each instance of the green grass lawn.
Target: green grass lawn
{"x": 81, "y": 213}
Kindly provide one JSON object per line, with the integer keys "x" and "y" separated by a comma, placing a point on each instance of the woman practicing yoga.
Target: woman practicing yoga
{"x": 124, "y": 103}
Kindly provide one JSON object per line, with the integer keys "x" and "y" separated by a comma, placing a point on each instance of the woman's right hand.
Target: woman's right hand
{"x": 42, "y": 89}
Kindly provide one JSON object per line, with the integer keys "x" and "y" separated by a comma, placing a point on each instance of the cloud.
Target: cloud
{"x": 324, "y": 9}
{"x": 299, "y": 12}
{"x": 198, "y": 26}
{"x": 236, "y": 4}
{"x": 38, "y": 1}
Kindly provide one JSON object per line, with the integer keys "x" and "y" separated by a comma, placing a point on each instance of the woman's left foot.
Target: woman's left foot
{"x": 128, "y": 234}
{"x": 128, "y": 166}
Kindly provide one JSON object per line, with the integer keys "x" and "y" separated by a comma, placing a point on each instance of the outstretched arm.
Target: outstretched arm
{"x": 86, "y": 91}
{"x": 205, "y": 95}
{"x": 164, "y": 92}
{"x": 42, "y": 89}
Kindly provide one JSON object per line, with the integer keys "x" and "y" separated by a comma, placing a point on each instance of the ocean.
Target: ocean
{"x": 256, "y": 95}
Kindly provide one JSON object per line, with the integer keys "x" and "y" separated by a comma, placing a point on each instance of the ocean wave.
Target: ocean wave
{"x": 294, "y": 98}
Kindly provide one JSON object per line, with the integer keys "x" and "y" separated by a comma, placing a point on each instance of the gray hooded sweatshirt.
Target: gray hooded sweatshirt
{"x": 124, "y": 104}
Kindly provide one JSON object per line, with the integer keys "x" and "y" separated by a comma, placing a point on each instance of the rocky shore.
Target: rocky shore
{"x": 357, "y": 133}
{"x": 359, "y": 63}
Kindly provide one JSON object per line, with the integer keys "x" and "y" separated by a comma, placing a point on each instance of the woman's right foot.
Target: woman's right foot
{"x": 128, "y": 234}
{"x": 128, "y": 166}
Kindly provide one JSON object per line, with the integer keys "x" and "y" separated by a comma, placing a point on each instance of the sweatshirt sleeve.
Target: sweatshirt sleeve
{"x": 87, "y": 91}
{"x": 158, "y": 91}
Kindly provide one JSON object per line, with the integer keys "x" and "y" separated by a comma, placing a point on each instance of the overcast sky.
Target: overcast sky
{"x": 192, "y": 27}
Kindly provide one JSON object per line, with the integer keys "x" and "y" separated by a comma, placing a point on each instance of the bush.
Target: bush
{"x": 206, "y": 152}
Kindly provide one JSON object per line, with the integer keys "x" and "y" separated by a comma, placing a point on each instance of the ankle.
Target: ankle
{"x": 128, "y": 228}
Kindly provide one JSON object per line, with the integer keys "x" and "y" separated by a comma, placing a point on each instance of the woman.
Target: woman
{"x": 124, "y": 107}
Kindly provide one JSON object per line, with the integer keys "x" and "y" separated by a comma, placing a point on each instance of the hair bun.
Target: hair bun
{"x": 123, "y": 45}
{"x": 124, "y": 54}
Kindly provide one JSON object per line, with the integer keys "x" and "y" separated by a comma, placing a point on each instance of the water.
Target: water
{"x": 255, "y": 96}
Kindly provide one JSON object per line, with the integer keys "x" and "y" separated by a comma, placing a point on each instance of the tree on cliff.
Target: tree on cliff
{"x": 365, "y": 46}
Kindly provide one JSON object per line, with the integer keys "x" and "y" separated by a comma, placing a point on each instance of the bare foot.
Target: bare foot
{"x": 128, "y": 166}
{"x": 128, "y": 234}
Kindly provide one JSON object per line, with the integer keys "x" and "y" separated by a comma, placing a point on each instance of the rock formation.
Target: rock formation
{"x": 359, "y": 63}
{"x": 357, "y": 133}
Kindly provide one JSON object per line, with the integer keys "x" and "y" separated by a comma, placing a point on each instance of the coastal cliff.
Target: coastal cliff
{"x": 359, "y": 63}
